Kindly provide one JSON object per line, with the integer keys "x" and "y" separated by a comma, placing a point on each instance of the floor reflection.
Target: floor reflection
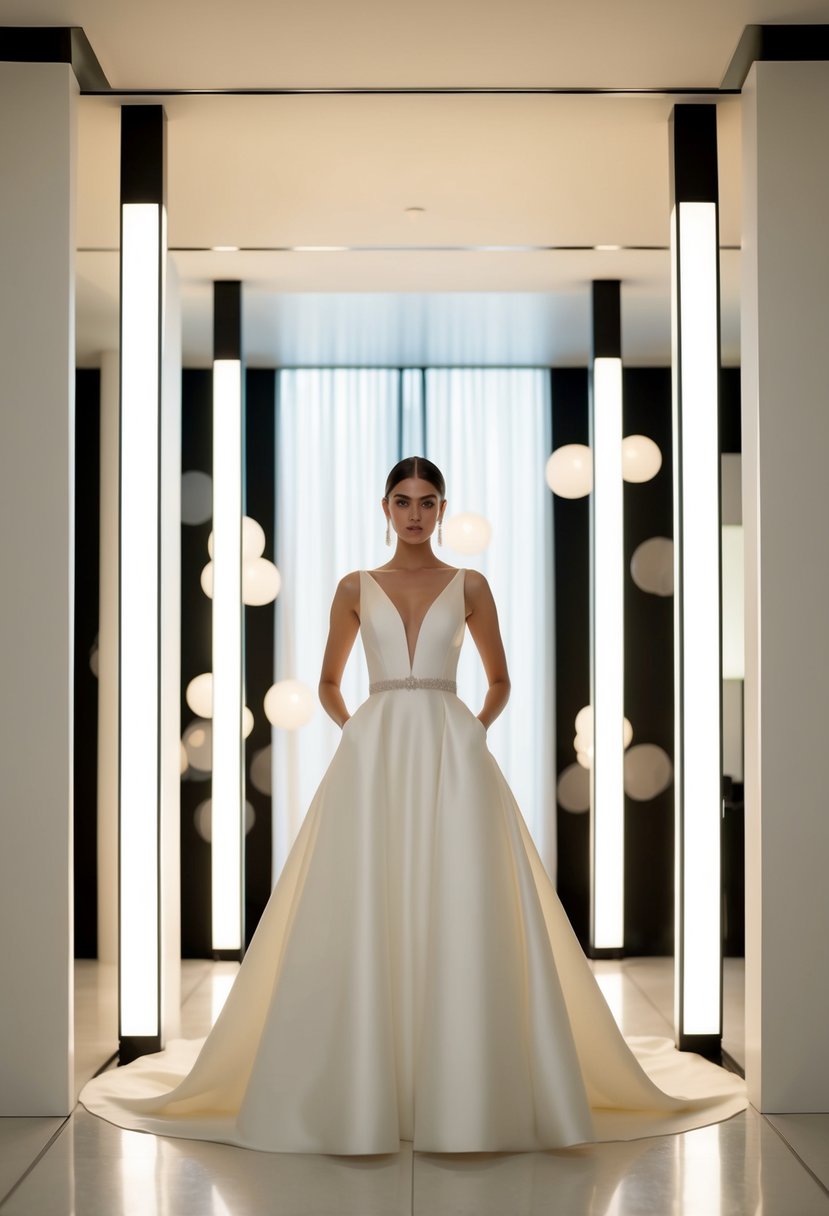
{"x": 742, "y": 1167}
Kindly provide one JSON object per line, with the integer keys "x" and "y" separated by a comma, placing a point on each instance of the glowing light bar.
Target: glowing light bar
{"x": 142, "y": 286}
{"x": 228, "y": 801}
{"x": 697, "y": 534}
{"x": 607, "y": 889}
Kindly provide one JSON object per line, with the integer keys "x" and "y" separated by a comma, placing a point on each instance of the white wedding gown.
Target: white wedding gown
{"x": 414, "y": 976}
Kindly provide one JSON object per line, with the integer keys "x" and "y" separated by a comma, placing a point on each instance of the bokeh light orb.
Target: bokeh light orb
{"x": 289, "y": 704}
{"x": 652, "y": 566}
{"x": 641, "y": 458}
{"x": 261, "y": 773}
{"x": 584, "y": 723}
{"x": 203, "y": 818}
{"x": 196, "y": 497}
{"x": 199, "y": 694}
{"x": 573, "y": 789}
{"x": 583, "y": 741}
{"x": 648, "y": 771}
{"x": 198, "y": 743}
{"x": 261, "y": 581}
{"x": 569, "y": 471}
{"x": 206, "y": 580}
{"x": 467, "y": 532}
{"x": 253, "y": 538}
{"x": 247, "y": 721}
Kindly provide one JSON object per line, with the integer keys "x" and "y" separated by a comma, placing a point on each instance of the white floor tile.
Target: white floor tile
{"x": 808, "y": 1135}
{"x": 729, "y": 1169}
{"x": 21, "y": 1140}
{"x": 95, "y": 1169}
{"x": 96, "y": 1017}
{"x": 734, "y": 1009}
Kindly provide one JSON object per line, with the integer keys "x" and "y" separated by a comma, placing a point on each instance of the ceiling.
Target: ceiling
{"x": 516, "y": 190}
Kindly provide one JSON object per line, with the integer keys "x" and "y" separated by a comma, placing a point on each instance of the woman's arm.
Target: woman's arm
{"x": 482, "y": 619}
{"x": 343, "y": 628}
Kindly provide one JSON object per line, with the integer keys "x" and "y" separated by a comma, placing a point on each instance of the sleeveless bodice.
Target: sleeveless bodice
{"x": 438, "y": 643}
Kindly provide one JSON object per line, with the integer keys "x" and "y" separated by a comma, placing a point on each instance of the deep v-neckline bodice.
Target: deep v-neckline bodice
{"x": 412, "y": 654}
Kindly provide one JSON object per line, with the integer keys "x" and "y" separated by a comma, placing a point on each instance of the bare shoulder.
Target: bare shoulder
{"x": 476, "y": 585}
{"x": 348, "y": 590}
{"x": 477, "y": 592}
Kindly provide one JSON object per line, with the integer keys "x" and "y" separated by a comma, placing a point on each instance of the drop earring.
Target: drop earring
{"x": 388, "y": 532}
{"x": 440, "y": 531}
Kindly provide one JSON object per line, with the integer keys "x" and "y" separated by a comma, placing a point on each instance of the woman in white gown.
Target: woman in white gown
{"x": 414, "y": 976}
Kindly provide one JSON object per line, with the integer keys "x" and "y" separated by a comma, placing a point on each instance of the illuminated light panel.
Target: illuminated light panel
{"x": 228, "y": 789}
{"x": 608, "y": 845}
{"x": 141, "y": 245}
{"x": 699, "y": 586}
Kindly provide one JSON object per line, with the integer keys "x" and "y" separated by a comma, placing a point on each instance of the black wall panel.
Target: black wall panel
{"x": 648, "y": 659}
{"x": 571, "y": 541}
{"x": 196, "y": 657}
{"x": 649, "y": 674}
{"x": 85, "y": 744}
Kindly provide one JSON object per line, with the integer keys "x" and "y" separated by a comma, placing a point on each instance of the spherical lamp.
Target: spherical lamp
{"x": 199, "y": 694}
{"x": 467, "y": 532}
{"x": 289, "y": 704}
{"x": 569, "y": 471}
{"x": 260, "y": 581}
{"x": 641, "y": 458}
{"x": 206, "y": 580}
{"x": 198, "y": 743}
{"x": 253, "y": 538}
{"x": 196, "y": 497}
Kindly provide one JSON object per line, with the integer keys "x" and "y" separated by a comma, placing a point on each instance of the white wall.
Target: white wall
{"x": 37, "y": 248}
{"x": 785, "y": 452}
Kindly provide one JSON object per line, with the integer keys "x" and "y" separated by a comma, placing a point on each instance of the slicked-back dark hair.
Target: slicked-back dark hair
{"x": 416, "y": 466}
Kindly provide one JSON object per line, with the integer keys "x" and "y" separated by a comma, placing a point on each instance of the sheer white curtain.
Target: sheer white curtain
{"x": 337, "y": 436}
{"x": 489, "y": 432}
{"x": 336, "y": 439}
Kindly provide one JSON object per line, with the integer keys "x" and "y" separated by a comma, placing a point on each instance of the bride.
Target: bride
{"x": 414, "y": 976}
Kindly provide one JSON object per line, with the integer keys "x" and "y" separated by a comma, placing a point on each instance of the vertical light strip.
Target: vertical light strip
{"x": 228, "y": 805}
{"x": 142, "y": 258}
{"x": 609, "y": 649}
{"x": 702, "y": 782}
{"x": 139, "y": 659}
{"x": 607, "y": 679}
{"x": 695, "y": 268}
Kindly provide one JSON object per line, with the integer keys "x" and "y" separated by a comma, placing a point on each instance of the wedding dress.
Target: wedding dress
{"x": 414, "y": 976}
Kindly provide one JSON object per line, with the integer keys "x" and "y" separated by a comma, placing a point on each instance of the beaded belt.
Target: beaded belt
{"x": 414, "y": 682}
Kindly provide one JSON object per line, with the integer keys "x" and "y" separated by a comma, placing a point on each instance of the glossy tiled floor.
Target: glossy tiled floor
{"x": 82, "y": 1166}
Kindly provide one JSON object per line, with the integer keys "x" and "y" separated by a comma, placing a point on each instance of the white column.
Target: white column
{"x": 37, "y": 357}
{"x": 108, "y": 667}
{"x": 785, "y": 446}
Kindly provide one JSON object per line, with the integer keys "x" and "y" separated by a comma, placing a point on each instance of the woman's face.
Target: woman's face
{"x": 414, "y": 507}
